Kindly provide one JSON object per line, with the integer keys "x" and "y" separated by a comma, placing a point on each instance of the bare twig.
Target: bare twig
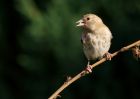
{"x": 84, "y": 72}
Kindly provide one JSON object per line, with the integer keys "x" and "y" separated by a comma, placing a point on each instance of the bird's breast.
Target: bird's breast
{"x": 95, "y": 46}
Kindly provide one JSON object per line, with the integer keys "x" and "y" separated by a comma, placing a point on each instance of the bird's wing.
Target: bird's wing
{"x": 81, "y": 40}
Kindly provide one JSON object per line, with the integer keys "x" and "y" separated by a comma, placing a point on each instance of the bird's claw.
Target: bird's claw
{"x": 108, "y": 56}
{"x": 89, "y": 69}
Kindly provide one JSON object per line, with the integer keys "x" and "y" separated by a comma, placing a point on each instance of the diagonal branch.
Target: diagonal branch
{"x": 84, "y": 72}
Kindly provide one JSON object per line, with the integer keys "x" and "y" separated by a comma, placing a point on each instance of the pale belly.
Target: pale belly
{"x": 95, "y": 47}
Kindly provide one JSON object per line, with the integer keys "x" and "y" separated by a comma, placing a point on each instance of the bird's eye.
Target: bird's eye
{"x": 88, "y": 18}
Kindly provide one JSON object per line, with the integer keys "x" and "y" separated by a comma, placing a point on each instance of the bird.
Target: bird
{"x": 96, "y": 38}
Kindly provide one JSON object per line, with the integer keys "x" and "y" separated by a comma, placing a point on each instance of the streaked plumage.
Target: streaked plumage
{"x": 96, "y": 37}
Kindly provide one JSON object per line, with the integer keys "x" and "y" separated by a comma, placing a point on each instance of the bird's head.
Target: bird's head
{"x": 89, "y": 21}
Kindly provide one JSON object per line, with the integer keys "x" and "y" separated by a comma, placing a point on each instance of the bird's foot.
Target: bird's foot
{"x": 108, "y": 56}
{"x": 89, "y": 69}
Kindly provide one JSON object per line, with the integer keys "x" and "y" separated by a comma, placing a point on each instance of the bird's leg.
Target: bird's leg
{"x": 88, "y": 68}
{"x": 108, "y": 56}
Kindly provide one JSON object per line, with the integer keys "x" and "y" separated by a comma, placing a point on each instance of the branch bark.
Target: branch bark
{"x": 84, "y": 72}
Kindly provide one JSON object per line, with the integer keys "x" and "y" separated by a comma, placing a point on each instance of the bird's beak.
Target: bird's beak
{"x": 80, "y": 23}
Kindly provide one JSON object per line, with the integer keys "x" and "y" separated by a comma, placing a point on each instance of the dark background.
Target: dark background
{"x": 40, "y": 46}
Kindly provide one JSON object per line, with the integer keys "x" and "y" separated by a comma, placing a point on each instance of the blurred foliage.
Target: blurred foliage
{"x": 40, "y": 46}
